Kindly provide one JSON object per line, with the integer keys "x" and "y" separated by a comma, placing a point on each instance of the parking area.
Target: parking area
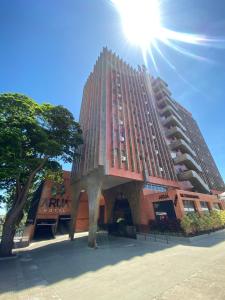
{"x": 120, "y": 268}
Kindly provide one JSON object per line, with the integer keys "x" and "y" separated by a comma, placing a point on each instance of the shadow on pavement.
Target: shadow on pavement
{"x": 45, "y": 264}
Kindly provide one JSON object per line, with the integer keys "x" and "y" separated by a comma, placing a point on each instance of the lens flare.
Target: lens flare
{"x": 142, "y": 26}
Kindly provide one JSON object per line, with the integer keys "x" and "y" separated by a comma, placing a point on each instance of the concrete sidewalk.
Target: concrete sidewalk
{"x": 119, "y": 269}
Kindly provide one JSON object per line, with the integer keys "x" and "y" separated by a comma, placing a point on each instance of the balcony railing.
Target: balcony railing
{"x": 183, "y": 146}
{"x": 173, "y": 121}
{"x": 178, "y": 133}
{"x": 165, "y": 100}
{"x": 161, "y": 85}
{"x": 195, "y": 180}
{"x": 188, "y": 161}
{"x": 168, "y": 110}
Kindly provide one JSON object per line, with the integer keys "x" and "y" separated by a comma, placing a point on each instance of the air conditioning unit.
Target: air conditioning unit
{"x": 122, "y": 139}
{"x": 123, "y": 158}
{"x": 161, "y": 169}
{"x": 121, "y": 122}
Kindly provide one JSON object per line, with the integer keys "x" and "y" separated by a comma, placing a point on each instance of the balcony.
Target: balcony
{"x": 168, "y": 110}
{"x": 164, "y": 101}
{"x": 173, "y": 121}
{"x": 188, "y": 161}
{"x": 195, "y": 180}
{"x": 178, "y": 133}
{"x": 161, "y": 85}
{"x": 183, "y": 146}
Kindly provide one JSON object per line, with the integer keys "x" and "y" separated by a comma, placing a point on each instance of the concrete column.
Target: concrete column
{"x": 198, "y": 207}
{"x": 94, "y": 190}
{"x": 134, "y": 193}
{"x": 76, "y": 190}
{"x": 210, "y": 205}
{"x": 110, "y": 198}
{"x": 179, "y": 208}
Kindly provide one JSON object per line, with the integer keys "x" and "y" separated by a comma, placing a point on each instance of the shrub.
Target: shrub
{"x": 193, "y": 223}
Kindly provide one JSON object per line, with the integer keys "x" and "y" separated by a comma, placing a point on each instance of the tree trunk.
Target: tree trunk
{"x": 15, "y": 215}
{"x": 8, "y": 233}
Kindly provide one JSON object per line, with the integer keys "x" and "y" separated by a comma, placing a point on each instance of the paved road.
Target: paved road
{"x": 119, "y": 269}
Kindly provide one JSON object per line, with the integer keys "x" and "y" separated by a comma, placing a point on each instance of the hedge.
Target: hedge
{"x": 193, "y": 223}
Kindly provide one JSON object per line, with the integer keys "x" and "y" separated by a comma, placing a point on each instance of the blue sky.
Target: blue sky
{"x": 48, "y": 48}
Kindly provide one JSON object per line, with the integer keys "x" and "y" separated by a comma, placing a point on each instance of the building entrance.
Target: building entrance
{"x": 63, "y": 224}
{"x": 164, "y": 210}
{"x": 122, "y": 222}
{"x": 45, "y": 229}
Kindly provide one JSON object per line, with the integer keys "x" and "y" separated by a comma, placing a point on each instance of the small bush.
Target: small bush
{"x": 193, "y": 223}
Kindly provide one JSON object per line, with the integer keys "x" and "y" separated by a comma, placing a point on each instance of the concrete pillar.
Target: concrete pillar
{"x": 76, "y": 190}
{"x": 179, "y": 208}
{"x": 110, "y": 198}
{"x": 198, "y": 207}
{"x": 134, "y": 193}
{"x": 94, "y": 190}
{"x": 210, "y": 205}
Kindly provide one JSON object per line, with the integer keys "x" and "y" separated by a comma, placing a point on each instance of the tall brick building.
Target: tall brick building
{"x": 137, "y": 141}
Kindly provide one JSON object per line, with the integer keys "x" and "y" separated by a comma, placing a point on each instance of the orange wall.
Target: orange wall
{"x": 51, "y": 207}
{"x": 147, "y": 210}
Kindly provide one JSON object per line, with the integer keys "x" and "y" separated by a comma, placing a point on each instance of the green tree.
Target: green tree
{"x": 33, "y": 139}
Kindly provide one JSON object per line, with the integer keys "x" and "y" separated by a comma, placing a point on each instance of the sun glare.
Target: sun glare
{"x": 142, "y": 26}
{"x": 140, "y": 20}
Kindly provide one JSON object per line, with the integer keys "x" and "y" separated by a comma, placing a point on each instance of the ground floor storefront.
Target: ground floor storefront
{"x": 121, "y": 212}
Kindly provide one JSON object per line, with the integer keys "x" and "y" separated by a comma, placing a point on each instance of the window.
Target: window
{"x": 189, "y": 206}
{"x": 154, "y": 187}
{"x": 204, "y": 205}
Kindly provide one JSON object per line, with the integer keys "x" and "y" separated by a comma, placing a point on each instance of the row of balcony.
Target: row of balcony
{"x": 195, "y": 180}
{"x": 173, "y": 121}
{"x": 160, "y": 86}
{"x": 183, "y": 146}
{"x": 164, "y": 101}
{"x": 188, "y": 161}
{"x": 169, "y": 110}
{"x": 178, "y": 133}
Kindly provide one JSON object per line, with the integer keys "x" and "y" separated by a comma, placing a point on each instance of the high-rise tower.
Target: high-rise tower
{"x": 135, "y": 136}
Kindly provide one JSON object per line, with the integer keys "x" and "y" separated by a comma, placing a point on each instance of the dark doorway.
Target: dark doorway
{"x": 164, "y": 209}
{"x": 44, "y": 229}
{"x": 122, "y": 210}
{"x": 63, "y": 224}
{"x": 122, "y": 222}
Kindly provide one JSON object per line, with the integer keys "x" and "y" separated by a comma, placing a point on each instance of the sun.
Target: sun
{"x": 142, "y": 26}
{"x": 140, "y": 20}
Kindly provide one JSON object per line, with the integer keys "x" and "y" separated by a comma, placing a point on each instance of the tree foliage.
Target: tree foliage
{"x": 33, "y": 139}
